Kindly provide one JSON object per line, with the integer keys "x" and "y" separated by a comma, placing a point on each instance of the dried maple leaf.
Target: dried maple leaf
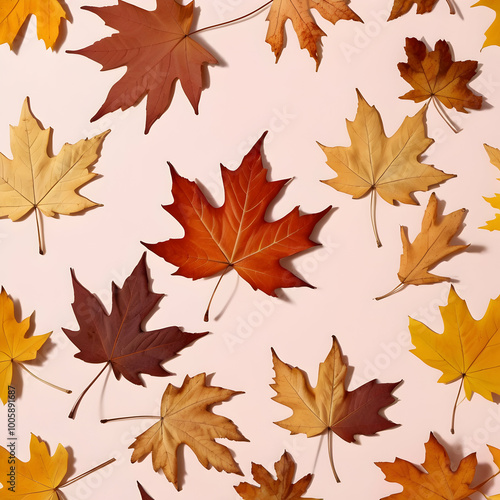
{"x": 280, "y": 488}
{"x": 401, "y": 7}
{"x": 308, "y": 32}
{"x": 35, "y": 180}
{"x": 493, "y": 32}
{"x": 236, "y": 234}
{"x": 467, "y": 349}
{"x": 494, "y": 201}
{"x": 330, "y": 405}
{"x": 186, "y": 418}
{"x": 117, "y": 339}
{"x": 434, "y": 75}
{"x": 377, "y": 164}
{"x": 156, "y": 48}
{"x": 429, "y": 247}
{"x": 13, "y": 14}
{"x": 40, "y": 477}
{"x": 438, "y": 481}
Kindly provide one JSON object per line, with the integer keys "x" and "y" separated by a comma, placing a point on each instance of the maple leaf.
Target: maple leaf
{"x": 437, "y": 481}
{"x": 493, "y": 32}
{"x": 117, "y": 339}
{"x": 330, "y": 405}
{"x": 308, "y": 32}
{"x": 281, "y": 488}
{"x": 13, "y": 14}
{"x": 236, "y": 234}
{"x": 377, "y": 164}
{"x": 429, "y": 247}
{"x": 401, "y": 7}
{"x": 40, "y": 477}
{"x": 35, "y": 180}
{"x": 156, "y": 48}
{"x": 435, "y": 76}
{"x": 494, "y": 201}
{"x": 186, "y": 418}
{"x": 467, "y": 349}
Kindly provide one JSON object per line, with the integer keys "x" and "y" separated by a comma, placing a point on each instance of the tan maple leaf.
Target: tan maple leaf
{"x": 429, "y": 247}
{"x": 375, "y": 163}
{"x": 13, "y": 14}
{"x": 186, "y": 418}
{"x": 280, "y": 488}
{"x": 308, "y": 32}
{"x": 35, "y": 180}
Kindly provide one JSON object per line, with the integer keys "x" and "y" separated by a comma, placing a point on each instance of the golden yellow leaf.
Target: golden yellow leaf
{"x": 13, "y": 14}
{"x": 429, "y": 247}
{"x": 376, "y": 163}
{"x": 494, "y": 201}
{"x": 34, "y": 179}
{"x": 493, "y": 32}
{"x": 38, "y": 478}
{"x": 186, "y": 418}
{"x": 308, "y": 32}
{"x": 468, "y": 349}
{"x": 14, "y": 346}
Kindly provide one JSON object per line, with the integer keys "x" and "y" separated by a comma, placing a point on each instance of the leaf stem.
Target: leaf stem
{"x": 81, "y": 476}
{"x": 232, "y": 20}
{"x": 444, "y": 116}
{"x": 372, "y": 214}
{"x": 452, "y": 430}
{"x": 105, "y": 420}
{"x": 67, "y": 391}
{"x": 451, "y": 6}
{"x": 73, "y": 411}
{"x": 330, "y": 455}
{"x": 392, "y": 292}
{"x": 41, "y": 246}
{"x": 206, "y": 318}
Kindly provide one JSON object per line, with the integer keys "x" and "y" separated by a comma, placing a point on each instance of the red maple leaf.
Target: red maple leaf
{"x": 118, "y": 339}
{"x": 157, "y": 50}
{"x": 236, "y": 234}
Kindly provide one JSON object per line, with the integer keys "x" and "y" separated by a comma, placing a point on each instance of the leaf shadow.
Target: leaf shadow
{"x": 63, "y": 27}
{"x": 71, "y": 464}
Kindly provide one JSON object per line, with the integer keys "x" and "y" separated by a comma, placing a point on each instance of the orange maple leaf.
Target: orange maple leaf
{"x": 434, "y": 74}
{"x": 156, "y": 48}
{"x": 308, "y": 32}
{"x": 236, "y": 234}
{"x": 401, "y": 7}
{"x": 437, "y": 482}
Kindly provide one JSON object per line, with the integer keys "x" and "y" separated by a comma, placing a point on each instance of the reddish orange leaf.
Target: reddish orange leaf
{"x": 434, "y": 74}
{"x": 437, "y": 482}
{"x": 236, "y": 234}
{"x": 156, "y": 48}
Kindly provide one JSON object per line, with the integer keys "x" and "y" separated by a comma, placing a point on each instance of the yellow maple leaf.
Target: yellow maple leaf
{"x": 493, "y": 32}
{"x": 35, "y": 180}
{"x": 186, "y": 418}
{"x": 308, "y": 32}
{"x": 13, "y": 14}
{"x": 429, "y": 247}
{"x": 494, "y": 201}
{"x": 468, "y": 349}
{"x": 376, "y": 163}
{"x": 14, "y": 346}
{"x": 38, "y": 478}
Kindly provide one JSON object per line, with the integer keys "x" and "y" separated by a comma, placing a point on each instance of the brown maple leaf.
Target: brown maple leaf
{"x": 117, "y": 339}
{"x": 280, "y": 488}
{"x": 186, "y": 418}
{"x": 401, "y": 7}
{"x": 236, "y": 234}
{"x": 429, "y": 247}
{"x": 434, "y": 75}
{"x": 156, "y": 48}
{"x": 330, "y": 405}
{"x": 308, "y": 32}
{"x": 438, "y": 481}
